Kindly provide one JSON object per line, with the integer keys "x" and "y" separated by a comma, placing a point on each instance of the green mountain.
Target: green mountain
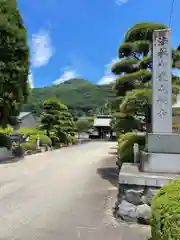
{"x": 81, "y": 96}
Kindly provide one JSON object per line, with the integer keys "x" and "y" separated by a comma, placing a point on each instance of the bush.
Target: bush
{"x": 29, "y": 146}
{"x": 6, "y": 130}
{"x": 125, "y": 145}
{"x": 73, "y": 140}
{"x": 55, "y": 141}
{"x": 29, "y": 131}
{"x": 43, "y": 140}
{"x": 5, "y": 141}
{"x": 165, "y": 220}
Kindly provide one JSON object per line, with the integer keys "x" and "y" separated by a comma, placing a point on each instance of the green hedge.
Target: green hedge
{"x": 6, "y": 130}
{"x": 55, "y": 141}
{"x": 30, "y": 131}
{"x": 125, "y": 145}
{"x": 73, "y": 140}
{"x": 43, "y": 140}
{"x": 165, "y": 220}
{"x": 29, "y": 146}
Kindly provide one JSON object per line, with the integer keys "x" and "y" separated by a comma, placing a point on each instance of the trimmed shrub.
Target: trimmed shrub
{"x": 29, "y": 146}
{"x": 6, "y": 130}
{"x": 55, "y": 141}
{"x": 29, "y": 131}
{"x": 165, "y": 220}
{"x": 125, "y": 146}
{"x": 43, "y": 140}
{"x": 73, "y": 140}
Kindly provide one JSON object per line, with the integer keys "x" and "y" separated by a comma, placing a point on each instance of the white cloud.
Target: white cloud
{"x": 120, "y": 2}
{"x": 107, "y": 79}
{"x": 30, "y": 80}
{"x": 67, "y": 75}
{"x": 108, "y": 76}
{"x": 42, "y": 49}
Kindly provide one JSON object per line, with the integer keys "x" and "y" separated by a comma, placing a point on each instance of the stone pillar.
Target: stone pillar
{"x": 162, "y": 82}
{"x": 163, "y": 151}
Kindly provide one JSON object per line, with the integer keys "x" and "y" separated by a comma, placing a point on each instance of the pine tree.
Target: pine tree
{"x": 57, "y": 121}
{"x": 134, "y": 75}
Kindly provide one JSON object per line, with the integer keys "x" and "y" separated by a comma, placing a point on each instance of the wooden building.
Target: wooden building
{"x": 102, "y": 128}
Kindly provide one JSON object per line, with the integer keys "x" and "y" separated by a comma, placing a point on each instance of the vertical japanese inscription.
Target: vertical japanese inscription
{"x": 162, "y": 86}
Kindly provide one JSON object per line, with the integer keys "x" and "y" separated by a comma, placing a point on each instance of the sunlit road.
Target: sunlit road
{"x": 59, "y": 195}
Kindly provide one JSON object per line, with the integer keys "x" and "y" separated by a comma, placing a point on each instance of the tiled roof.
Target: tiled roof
{"x": 23, "y": 114}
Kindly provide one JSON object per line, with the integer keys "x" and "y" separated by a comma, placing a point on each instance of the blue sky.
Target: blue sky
{"x": 80, "y": 38}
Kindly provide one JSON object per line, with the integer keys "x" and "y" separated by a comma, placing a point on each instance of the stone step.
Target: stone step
{"x": 131, "y": 175}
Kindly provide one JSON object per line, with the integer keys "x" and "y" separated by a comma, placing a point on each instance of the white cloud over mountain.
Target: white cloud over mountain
{"x": 108, "y": 76}
{"x": 66, "y": 75}
{"x": 42, "y": 49}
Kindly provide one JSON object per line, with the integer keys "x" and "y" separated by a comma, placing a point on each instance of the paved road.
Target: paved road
{"x": 59, "y": 195}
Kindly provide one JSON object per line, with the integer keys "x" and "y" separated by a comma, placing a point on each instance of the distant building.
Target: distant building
{"x": 102, "y": 128}
{"x": 27, "y": 120}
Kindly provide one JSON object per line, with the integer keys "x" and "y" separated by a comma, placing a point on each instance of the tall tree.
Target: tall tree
{"x": 14, "y": 62}
{"x": 134, "y": 71}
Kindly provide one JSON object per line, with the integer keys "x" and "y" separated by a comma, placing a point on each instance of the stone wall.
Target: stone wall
{"x": 134, "y": 203}
{"x": 5, "y": 154}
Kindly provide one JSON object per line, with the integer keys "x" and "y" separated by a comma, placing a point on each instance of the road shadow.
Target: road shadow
{"x": 109, "y": 171}
{"x": 10, "y": 160}
{"x": 112, "y": 152}
{"x": 113, "y": 148}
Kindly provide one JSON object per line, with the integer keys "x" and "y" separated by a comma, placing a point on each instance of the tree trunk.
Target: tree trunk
{"x": 48, "y": 134}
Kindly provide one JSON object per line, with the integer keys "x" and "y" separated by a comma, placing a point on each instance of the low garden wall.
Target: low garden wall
{"x": 158, "y": 207}
{"x": 134, "y": 203}
{"x": 5, "y": 153}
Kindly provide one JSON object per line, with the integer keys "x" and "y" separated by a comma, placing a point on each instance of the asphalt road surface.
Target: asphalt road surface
{"x": 64, "y": 194}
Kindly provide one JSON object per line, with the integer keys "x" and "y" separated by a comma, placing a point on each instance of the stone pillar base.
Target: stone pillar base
{"x": 160, "y": 162}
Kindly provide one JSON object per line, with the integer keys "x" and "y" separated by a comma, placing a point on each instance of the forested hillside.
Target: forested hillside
{"x": 81, "y": 96}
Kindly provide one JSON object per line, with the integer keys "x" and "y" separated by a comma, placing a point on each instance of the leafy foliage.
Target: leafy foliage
{"x": 30, "y": 131}
{"x": 6, "y": 130}
{"x": 84, "y": 124}
{"x": 122, "y": 123}
{"x": 165, "y": 212}
{"x": 50, "y": 115}
{"x": 14, "y": 63}
{"x": 30, "y": 145}
{"x": 57, "y": 121}
{"x": 43, "y": 140}
{"x": 126, "y": 142}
